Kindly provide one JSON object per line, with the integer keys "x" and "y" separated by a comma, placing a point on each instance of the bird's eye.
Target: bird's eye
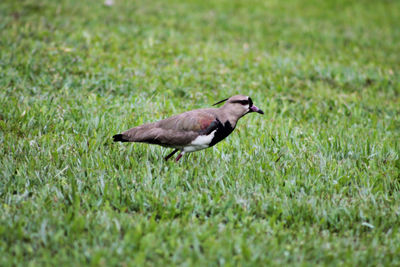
{"x": 242, "y": 102}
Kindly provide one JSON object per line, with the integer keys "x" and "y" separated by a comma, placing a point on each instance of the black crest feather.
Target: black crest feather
{"x": 222, "y": 101}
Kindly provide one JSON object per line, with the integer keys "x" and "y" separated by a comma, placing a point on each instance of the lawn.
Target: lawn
{"x": 315, "y": 181}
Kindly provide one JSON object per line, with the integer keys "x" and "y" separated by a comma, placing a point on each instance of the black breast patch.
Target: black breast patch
{"x": 223, "y": 130}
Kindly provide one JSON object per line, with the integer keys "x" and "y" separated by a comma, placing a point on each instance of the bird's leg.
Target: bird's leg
{"x": 171, "y": 154}
{"x": 179, "y": 156}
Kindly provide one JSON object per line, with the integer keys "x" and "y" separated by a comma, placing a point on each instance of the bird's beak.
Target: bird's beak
{"x": 256, "y": 109}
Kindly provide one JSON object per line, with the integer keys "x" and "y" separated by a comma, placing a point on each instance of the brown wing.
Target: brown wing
{"x": 191, "y": 121}
{"x": 175, "y": 131}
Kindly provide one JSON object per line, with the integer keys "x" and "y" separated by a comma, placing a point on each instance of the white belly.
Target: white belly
{"x": 201, "y": 142}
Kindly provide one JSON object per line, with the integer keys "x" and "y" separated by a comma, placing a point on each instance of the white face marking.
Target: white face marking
{"x": 201, "y": 142}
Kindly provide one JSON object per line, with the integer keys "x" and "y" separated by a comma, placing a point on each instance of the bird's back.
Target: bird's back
{"x": 176, "y": 131}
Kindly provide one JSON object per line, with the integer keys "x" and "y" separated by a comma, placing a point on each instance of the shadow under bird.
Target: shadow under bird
{"x": 192, "y": 130}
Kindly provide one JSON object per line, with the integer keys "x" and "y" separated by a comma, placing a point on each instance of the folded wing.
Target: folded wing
{"x": 176, "y": 131}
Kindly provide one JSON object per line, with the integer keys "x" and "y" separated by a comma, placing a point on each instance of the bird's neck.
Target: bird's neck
{"x": 226, "y": 115}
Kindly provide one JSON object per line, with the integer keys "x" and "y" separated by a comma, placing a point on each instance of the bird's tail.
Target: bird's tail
{"x": 143, "y": 134}
{"x": 120, "y": 138}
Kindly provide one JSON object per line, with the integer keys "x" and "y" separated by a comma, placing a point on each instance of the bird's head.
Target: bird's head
{"x": 239, "y": 105}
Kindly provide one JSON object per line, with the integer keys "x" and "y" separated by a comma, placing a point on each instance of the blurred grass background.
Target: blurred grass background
{"x": 315, "y": 181}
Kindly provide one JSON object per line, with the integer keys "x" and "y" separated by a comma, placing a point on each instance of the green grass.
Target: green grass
{"x": 315, "y": 181}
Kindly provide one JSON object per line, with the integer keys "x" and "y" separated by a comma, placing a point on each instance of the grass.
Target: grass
{"x": 315, "y": 181}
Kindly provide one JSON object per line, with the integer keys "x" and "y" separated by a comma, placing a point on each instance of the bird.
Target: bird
{"x": 192, "y": 130}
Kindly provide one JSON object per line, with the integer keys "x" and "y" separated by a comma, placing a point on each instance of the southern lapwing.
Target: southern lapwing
{"x": 192, "y": 130}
